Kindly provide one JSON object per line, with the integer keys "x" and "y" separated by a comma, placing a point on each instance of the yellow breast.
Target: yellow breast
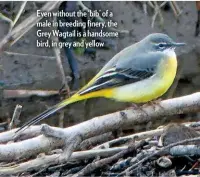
{"x": 167, "y": 74}
{"x": 152, "y": 88}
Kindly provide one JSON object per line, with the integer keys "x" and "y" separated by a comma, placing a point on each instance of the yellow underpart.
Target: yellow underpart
{"x": 75, "y": 98}
{"x": 139, "y": 92}
{"x": 151, "y": 88}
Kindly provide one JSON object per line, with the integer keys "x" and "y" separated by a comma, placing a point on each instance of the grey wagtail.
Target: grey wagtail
{"x": 139, "y": 73}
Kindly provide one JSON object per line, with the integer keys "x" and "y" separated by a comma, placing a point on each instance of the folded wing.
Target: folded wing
{"x": 125, "y": 72}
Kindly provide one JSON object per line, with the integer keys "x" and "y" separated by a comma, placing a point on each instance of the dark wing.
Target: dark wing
{"x": 126, "y": 72}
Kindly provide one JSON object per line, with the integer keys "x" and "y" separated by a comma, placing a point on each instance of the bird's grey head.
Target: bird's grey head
{"x": 159, "y": 42}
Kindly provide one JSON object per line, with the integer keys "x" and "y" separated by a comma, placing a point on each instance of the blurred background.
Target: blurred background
{"x": 41, "y": 73}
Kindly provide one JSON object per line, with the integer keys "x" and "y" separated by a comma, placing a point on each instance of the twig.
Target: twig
{"x": 175, "y": 8}
{"x": 3, "y": 17}
{"x": 25, "y": 26}
{"x": 70, "y": 142}
{"x": 99, "y": 19}
{"x": 163, "y": 4}
{"x": 91, "y": 167}
{"x": 160, "y": 14}
{"x": 96, "y": 140}
{"x": 7, "y": 136}
{"x": 15, "y": 116}
{"x": 100, "y": 125}
{"x": 154, "y": 18}
{"x": 81, "y": 155}
{"x": 150, "y": 4}
{"x": 45, "y": 161}
{"x": 35, "y": 131}
{"x": 125, "y": 139}
{"x": 28, "y": 93}
{"x": 165, "y": 150}
{"x": 30, "y": 55}
{"x": 185, "y": 150}
{"x": 122, "y": 164}
{"x": 62, "y": 73}
{"x": 144, "y": 5}
{"x": 19, "y": 14}
{"x": 38, "y": 172}
{"x": 84, "y": 8}
{"x": 61, "y": 118}
{"x": 157, "y": 11}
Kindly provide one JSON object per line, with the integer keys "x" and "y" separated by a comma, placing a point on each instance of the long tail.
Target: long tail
{"x": 50, "y": 111}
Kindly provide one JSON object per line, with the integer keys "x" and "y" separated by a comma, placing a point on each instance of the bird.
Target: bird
{"x": 139, "y": 73}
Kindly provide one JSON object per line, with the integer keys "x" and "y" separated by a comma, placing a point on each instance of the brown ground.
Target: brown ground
{"x": 36, "y": 73}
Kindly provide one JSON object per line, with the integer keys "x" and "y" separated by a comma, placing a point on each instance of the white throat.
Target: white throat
{"x": 170, "y": 52}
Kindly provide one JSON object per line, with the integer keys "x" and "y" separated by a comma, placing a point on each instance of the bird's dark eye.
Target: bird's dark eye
{"x": 161, "y": 45}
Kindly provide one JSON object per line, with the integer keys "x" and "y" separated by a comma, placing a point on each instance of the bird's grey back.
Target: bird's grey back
{"x": 124, "y": 55}
{"x": 134, "y": 52}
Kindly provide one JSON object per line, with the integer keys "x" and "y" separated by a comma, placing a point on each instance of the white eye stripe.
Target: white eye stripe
{"x": 162, "y": 43}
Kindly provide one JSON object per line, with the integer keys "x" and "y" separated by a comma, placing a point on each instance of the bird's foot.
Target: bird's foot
{"x": 154, "y": 104}
{"x": 136, "y": 107}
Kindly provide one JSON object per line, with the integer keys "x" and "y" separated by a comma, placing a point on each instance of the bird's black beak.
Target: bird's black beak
{"x": 178, "y": 44}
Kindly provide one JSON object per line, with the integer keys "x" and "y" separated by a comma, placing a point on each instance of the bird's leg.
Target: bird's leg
{"x": 136, "y": 107}
{"x": 154, "y": 103}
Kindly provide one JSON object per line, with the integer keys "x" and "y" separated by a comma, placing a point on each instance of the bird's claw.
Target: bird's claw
{"x": 136, "y": 107}
{"x": 154, "y": 104}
